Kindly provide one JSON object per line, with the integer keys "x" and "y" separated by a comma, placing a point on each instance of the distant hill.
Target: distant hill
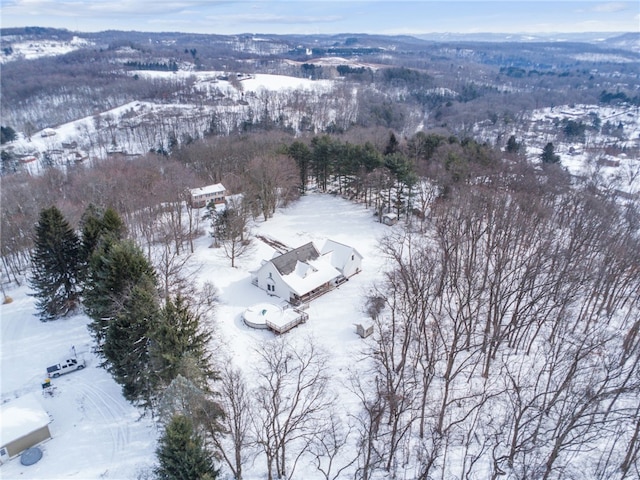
{"x": 611, "y": 38}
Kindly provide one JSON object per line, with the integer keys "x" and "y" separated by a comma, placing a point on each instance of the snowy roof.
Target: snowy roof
{"x": 340, "y": 253}
{"x": 208, "y": 190}
{"x": 20, "y": 417}
{"x": 287, "y": 262}
{"x": 310, "y": 275}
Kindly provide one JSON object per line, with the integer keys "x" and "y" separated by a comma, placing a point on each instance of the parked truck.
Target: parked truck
{"x": 69, "y": 365}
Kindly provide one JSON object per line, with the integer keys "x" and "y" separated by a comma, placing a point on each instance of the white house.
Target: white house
{"x": 23, "y": 424}
{"x": 343, "y": 257}
{"x": 305, "y": 273}
{"x": 200, "y": 197}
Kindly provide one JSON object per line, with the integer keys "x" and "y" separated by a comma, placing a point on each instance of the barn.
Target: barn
{"x": 23, "y": 424}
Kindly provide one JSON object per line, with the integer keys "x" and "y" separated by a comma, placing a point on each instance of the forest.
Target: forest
{"x": 506, "y": 320}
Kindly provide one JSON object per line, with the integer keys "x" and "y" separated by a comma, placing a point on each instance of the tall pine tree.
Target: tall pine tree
{"x": 182, "y": 455}
{"x": 115, "y": 269}
{"x": 97, "y": 224}
{"x": 54, "y": 265}
{"x": 126, "y": 344}
{"x": 178, "y": 342}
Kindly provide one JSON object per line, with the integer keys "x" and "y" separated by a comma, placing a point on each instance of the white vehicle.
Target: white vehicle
{"x": 69, "y": 365}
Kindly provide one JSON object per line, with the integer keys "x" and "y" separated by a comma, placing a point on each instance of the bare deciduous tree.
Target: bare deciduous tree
{"x": 237, "y": 407}
{"x": 292, "y": 398}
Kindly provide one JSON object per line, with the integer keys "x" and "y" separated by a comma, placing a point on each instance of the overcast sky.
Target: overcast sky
{"x": 320, "y": 16}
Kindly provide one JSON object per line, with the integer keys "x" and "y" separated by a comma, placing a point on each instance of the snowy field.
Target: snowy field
{"x": 98, "y": 434}
{"x": 31, "y": 49}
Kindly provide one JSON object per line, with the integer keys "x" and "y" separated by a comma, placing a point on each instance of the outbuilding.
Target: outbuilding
{"x": 24, "y": 423}
{"x": 390, "y": 219}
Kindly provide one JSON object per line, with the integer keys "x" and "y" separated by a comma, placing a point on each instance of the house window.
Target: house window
{"x": 352, "y": 257}
{"x": 271, "y": 288}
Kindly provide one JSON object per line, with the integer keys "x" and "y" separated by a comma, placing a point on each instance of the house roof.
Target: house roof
{"x": 339, "y": 253}
{"x": 309, "y": 275}
{"x": 209, "y": 189}
{"x": 20, "y": 417}
{"x": 286, "y": 263}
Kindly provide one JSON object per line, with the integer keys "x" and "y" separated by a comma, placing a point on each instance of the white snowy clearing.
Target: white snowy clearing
{"x": 31, "y": 49}
{"x": 98, "y": 434}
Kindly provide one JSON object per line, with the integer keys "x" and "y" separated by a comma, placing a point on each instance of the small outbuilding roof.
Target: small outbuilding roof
{"x": 20, "y": 417}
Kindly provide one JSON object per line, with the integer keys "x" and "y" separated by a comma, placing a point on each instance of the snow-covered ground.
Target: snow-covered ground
{"x": 137, "y": 127}
{"x": 591, "y": 156}
{"x": 250, "y": 83}
{"x": 31, "y": 49}
{"x": 610, "y": 153}
{"x": 96, "y": 433}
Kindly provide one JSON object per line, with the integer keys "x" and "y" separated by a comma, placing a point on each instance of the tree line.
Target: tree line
{"x": 155, "y": 346}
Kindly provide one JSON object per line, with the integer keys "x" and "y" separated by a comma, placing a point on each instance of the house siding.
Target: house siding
{"x": 201, "y": 197}
{"x": 17, "y": 446}
{"x": 280, "y": 288}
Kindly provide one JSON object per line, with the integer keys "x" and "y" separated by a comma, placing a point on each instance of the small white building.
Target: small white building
{"x": 202, "y": 196}
{"x": 48, "y": 132}
{"x": 23, "y": 424}
{"x": 305, "y": 273}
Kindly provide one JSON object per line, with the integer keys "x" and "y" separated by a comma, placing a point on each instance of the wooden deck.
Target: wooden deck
{"x": 293, "y": 321}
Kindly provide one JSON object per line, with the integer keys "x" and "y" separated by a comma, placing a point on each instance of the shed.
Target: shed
{"x": 389, "y": 219}
{"x": 23, "y": 424}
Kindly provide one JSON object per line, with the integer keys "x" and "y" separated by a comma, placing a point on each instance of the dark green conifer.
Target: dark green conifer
{"x": 126, "y": 344}
{"x": 182, "y": 455}
{"x": 54, "y": 265}
{"x": 96, "y": 225}
{"x": 548, "y": 154}
{"x": 115, "y": 269}
{"x": 177, "y": 336}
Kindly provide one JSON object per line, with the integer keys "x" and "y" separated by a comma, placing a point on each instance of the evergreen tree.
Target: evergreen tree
{"x": 178, "y": 336}
{"x": 512, "y": 145}
{"x": 96, "y": 225}
{"x": 322, "y": 159}
{"x": 302, "y": 155}
{"x": 393, "y": 146}
{"x": 548, "y": 154}
{"x": 7, "y": 134}
{"x": 115, "y": 269}
{"x": 182, "y": 455}
{"x": 126, "y": 344}
{"x": 54, "y": 265}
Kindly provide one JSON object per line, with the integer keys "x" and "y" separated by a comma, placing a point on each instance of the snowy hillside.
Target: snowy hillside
{"x": 608, "y": 149}
{"x": 31, "y": 49}
{"x": 137, "y": 127}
